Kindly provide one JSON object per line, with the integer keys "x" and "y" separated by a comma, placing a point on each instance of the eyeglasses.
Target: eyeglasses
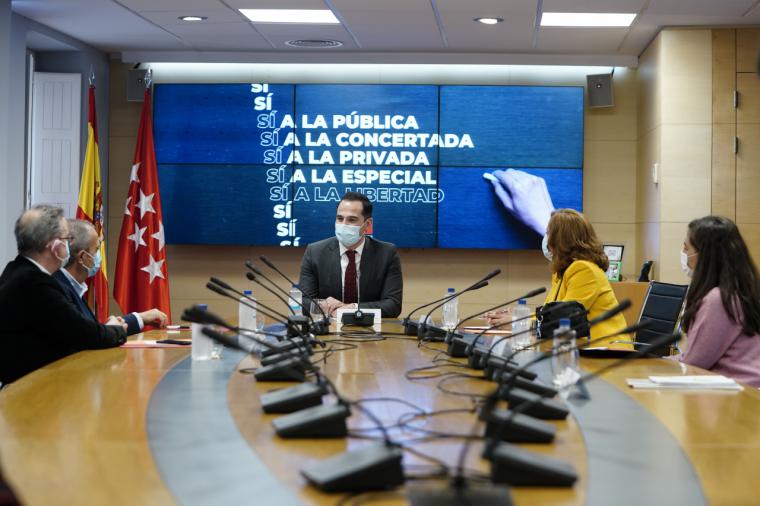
{"x": 67, "y": 238}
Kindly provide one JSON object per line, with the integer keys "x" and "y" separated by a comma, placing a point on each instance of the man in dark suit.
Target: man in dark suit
{"x": 39, "y": 324}
{"x": 85, "y": 263}
{"x": 353, "y": 270}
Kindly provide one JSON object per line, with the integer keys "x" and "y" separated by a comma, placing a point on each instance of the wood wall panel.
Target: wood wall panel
{"x": 747, "y": 49}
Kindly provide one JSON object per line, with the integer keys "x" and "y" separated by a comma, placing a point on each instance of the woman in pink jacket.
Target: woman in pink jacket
{"x": 722, "y": 314}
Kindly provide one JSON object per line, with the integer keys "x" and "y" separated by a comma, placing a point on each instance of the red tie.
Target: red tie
{"x": 350, "y": 294}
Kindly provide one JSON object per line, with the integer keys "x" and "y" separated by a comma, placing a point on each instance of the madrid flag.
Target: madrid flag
{"x": 90, "y": 208}
{"x": 141, "y": 279}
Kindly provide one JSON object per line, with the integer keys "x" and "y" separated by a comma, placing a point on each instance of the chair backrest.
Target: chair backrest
{"x": 644, "y": 275}
{"x": 662, "y": 305}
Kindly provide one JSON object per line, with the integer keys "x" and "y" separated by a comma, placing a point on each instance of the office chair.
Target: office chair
{"x": 663, "y": 305}
{"x": 645, "y": 269}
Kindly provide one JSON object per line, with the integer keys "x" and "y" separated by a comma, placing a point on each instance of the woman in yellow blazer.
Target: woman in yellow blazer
{"x": 578, "y": 270}
{"x": 578, "y": 266}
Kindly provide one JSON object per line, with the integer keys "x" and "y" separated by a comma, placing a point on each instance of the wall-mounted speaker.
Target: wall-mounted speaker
{"x": 599, "y": 88}
{"x": 136, "y": 85}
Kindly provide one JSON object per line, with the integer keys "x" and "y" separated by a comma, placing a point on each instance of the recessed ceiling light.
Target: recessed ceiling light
{"x": 489, "y": 21}
{"x": 314, "y": 43}
{"x": 192, "y": 18}
{"x": 318, "y": 16}
{"x": 586, "y": 19}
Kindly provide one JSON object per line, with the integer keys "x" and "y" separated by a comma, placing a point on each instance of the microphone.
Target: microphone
{"x": 226, "y": 286}
{"x": 606, "y": 315}
{"x": 530, "y": 294}
{"x": 258, "y": 272}
{"x": 410, "y": 327}
{"x": 318, "y": 327}
{"x": 251, "y": 277}
{"x": 422, "y": 328}
{"x": 508, "y": 463}
{"x": 293, "y": 328}
{"x": 453, "y": 351}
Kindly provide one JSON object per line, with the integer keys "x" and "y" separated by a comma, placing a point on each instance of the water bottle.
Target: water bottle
{"x": 450, "y": 312}
{"x": 521, "y": 324}
{"x": 202, "y": 344}
{"x": 246, "y": 314}
{"x": 564, "y": 362}
{"x": 294, "y": 301}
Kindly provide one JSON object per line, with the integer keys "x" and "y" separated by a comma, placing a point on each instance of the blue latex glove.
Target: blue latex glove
{"x": 525, "y": 196}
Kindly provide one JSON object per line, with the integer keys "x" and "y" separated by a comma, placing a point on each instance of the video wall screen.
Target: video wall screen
{"x": 266, "y": 164}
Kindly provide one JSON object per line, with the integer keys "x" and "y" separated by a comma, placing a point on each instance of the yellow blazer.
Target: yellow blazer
{"x": 585, "y": 282}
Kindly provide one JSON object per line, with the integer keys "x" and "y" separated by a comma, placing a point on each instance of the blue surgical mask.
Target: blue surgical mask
{"x": 96, "y": 261}
{"x": 348, "y": 235}
{"x": 545, "y": 248}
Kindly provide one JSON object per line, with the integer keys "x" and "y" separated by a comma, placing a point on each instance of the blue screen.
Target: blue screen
{"x": 266, "y": 164}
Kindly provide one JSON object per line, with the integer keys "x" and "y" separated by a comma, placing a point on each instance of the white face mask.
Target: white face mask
{"x": 545, "y": 248}
{"x": 685, "y": 264}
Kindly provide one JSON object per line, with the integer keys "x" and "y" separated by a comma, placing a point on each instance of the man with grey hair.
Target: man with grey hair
{"x": 39, "y": 324}
{"x": 85, "y": 263}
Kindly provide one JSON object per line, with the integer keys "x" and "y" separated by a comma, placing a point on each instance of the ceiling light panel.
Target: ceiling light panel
{"x": 290, "y": 16}
{"x": 587, "y": 19}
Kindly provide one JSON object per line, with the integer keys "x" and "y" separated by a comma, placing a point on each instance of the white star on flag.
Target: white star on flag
{"x": 126, "y": 206}
{"x": 160, "y": 235}
{"x": 146, "y": 204}
{"x": 133, "y": 176}
{"x": 138, "y": 236}
{"x": 153, "y": 268}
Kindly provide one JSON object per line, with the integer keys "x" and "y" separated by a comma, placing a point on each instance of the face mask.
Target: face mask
{"x": 347, "y": 235}
{"x": 65, "y": 259}
{"x": 96, "y": 260}
{"x": 685, "y": 264}
{"x": 545, "y": 248}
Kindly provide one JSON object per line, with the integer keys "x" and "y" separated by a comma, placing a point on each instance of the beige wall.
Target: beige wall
{"x": 675, "y": 132}
{"x": 609, "y": 201}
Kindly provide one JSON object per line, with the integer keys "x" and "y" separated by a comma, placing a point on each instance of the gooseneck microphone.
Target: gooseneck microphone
{"x": 252, "y": 277}
{"x": 227, "y": 286}
{"x": 508, "y": 462}
{"x": 318, "y": 327}
{"x": 530, "y": 294}
{"x": 410, "y": 327}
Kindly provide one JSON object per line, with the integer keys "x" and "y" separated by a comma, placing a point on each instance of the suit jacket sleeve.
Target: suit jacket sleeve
{"x": 68, "y": 324}
{"x": 392, "y": 291}
{"x": 133, "y": 326}
{"x": 308, "y": 280}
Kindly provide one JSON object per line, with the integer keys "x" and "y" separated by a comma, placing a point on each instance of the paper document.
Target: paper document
{"x": 705, "y": 382}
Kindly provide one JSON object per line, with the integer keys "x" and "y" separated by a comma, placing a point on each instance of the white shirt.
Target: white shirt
{"x": 80, "y": 288}
{"x": 40, "y": 267}
{"x": 344, "y": 265}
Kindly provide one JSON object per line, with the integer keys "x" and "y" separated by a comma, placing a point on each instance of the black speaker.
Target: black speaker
{"x": 521, "y": 429}
{"x": 541, "y": 407}
{"x": 291, "y": 369}
{"x": 599, "y": 88}
{"x": 288, "y": 400}
{"x": 325, "y": 420}
{"x": 469, "y": 494}
{"x": 136, "y": 85}
{"x": 374, "y": 467}
{"x": 520, "y": 468}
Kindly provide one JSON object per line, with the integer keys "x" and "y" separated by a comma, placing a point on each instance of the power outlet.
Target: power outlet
{"x": 655, "y": 173}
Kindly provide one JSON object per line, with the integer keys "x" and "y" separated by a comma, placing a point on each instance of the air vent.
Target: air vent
{"x": 314, "y": 43}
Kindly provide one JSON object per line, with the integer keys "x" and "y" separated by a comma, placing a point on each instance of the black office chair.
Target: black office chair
{"x": 645, "y": 269}
{"x": 663, "y": 305}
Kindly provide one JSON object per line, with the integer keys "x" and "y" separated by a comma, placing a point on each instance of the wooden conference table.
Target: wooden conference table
{"x": 148, "y": 426}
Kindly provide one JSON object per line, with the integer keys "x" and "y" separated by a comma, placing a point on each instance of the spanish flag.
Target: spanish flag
{"x": 90, "y": 208}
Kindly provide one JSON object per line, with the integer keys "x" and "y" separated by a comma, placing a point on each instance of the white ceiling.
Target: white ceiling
{"x": 376, "y": 30}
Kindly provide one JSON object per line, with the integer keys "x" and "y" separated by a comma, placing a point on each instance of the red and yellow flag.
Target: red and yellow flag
{"x": 90, "y": 208}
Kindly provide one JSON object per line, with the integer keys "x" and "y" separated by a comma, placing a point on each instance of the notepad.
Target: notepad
{"x": 703, "y": 382}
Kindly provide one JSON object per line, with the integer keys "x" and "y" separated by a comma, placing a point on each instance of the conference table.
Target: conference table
{"x": 150, "y": 426}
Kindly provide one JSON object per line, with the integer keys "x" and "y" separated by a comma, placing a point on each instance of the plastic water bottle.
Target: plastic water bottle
{"x": 451, "y": 311}
{"x": 564, "y": 362}
{"x": 202, "y": 344}
{"x": 246, "y": 314}
{"x": 295, "y": 299}
{"x": 522, "y": 313}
